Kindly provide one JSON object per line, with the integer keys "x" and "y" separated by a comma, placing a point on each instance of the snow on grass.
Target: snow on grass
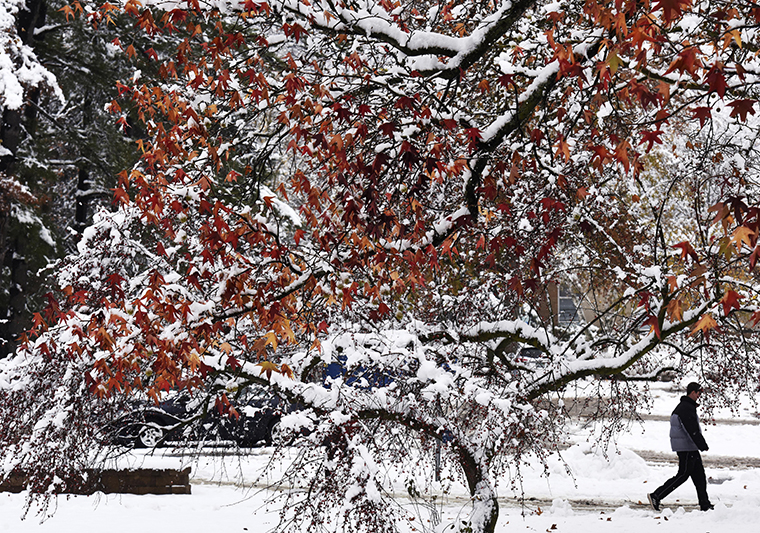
{"x": 601, "y": 493}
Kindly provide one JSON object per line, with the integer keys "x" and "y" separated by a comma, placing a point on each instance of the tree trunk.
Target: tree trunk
{"x": 10, "y": 136}
{"x": 83, "y": 200}
{"x": 485, "y": 506}
{"x": 13, "y": 315}
{"x": 14, "y": 318}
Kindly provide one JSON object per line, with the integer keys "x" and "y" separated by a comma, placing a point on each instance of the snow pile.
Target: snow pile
{"x": 588, "y": 461}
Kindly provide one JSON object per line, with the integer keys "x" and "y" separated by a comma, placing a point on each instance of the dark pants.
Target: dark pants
{"x": 689, "y": 466}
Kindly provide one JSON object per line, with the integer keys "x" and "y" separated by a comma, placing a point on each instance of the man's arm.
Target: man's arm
{"x": 691, "y": 425}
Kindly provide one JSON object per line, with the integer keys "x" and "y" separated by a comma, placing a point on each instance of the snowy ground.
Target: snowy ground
{"x": 605, "y": 495}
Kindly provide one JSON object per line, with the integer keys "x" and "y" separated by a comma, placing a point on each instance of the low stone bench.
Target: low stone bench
{"x": 137, "y": 481}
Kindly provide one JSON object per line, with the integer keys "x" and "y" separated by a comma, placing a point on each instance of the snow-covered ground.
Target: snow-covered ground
{"x": 603, "y": 495}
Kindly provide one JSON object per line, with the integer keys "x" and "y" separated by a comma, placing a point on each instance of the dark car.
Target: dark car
{"x": 181, "y": 419}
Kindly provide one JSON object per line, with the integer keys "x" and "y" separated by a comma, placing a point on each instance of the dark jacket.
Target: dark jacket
{"x": 685, "y": 434}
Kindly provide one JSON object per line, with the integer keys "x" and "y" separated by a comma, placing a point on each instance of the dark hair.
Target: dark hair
{"x": 693, "y": 386}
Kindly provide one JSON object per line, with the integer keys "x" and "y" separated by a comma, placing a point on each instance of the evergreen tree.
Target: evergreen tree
{"x": 62, "y": 147}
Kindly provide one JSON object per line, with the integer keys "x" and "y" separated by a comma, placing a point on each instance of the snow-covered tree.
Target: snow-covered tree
{"x": 60, "y": 141}
{"x": 392, "y": 187}
{"x": 21, "y": 73}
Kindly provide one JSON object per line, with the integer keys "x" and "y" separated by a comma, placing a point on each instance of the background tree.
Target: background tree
{"x": 22, "y": 74}
{"x": 392, "y": 187}
{"x": 62, "y": 144}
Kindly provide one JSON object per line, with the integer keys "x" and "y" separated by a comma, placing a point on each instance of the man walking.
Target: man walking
{"x": 687, "y": 441}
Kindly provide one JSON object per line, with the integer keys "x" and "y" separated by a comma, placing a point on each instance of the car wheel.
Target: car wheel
{"x": 149, "y": 437}
{"x": 277, "y": 436}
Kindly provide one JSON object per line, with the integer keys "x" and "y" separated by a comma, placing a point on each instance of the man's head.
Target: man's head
{"x": 694, "y": 390}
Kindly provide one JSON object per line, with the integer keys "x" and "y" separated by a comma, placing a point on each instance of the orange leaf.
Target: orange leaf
{"x": 268, "y": 339}
{"x": 563, "y": 149}
{"x": 194, "y": 362}
{"x": 120, "y": 196}
{"x": 742, "y": 234}
{"x": 285, "y": 370}
{"x": 675, "y": 310}
{"x": 68, "y": 12}
{"x": 268, "y": 367}
{"x": 225, "y": 347}
{"x": 705, "y": 324}
{"x": 730, "y": 36}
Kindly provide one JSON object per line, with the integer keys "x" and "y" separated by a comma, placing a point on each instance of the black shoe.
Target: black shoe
{"x": 708, "y": 507}
{"x": 654, "y": 501}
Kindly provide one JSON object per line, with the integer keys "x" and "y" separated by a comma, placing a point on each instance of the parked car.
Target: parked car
{"x": 180, "y": 419}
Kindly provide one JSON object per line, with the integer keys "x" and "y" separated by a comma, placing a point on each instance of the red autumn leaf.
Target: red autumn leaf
{"x": 741, "y": 108}
{"x": 387, "y": 129}
{"x": 651, "y": 137}
{"x": 654, "y": 324}
{"x": 753, "y": 257}
{"x": 449, "y": 124}
{"x": 671, "y": 9}
{"x": 687, "y": 250}
{"x": 621, "y": 154}
{"x": 703, "y": 114}
{"x": 295, "y": 30}
{"x": 516, "y": 285}
{"x": 643, "y": 94}
{"x": 644, "y": 300}
{"x": 716, "y": 80}
{"x": 506, "y": 80}
{"x": 730, "y": 301}
{"x": 404, "y": 102}
{"x": 120, "y": 196}
{"x": 686, "y": 62}
{"x": 473, "y": 134}
{"x": 285, "y": 370}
